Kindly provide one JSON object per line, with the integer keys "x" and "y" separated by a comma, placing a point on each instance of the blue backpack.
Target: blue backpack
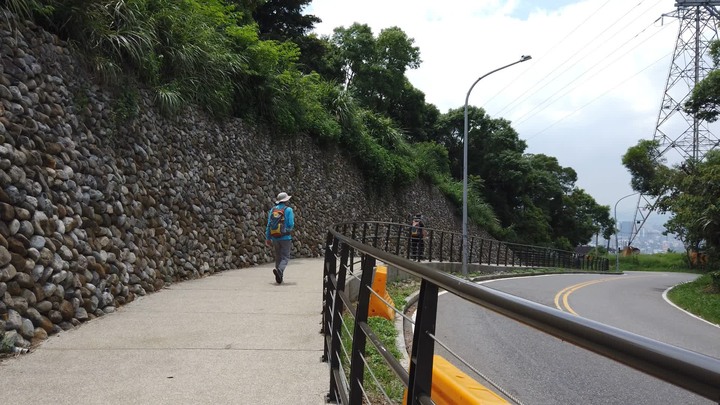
{"x": 277, "y": 222}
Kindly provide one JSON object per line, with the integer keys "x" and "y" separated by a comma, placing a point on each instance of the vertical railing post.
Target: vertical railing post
{"x": 423, "y": 345}
{"x": 472, "y": 245}
{"x": 408, "y": 254}
{"x": 442, "y": 245}
{"x": 357, "y": 366}
{"x": 490, "y": 251}
{"x": 337, "y": 321}
{"x": 452, "y": 248}
{"x": 480, "y": 251}
{"x": 329, "y": 268}
{"x": 332, "y": 352}
{"x": 431, "y": 234}
{"x": 398, "y": 242}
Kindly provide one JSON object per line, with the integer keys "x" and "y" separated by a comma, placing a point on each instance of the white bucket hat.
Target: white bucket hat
{"x": 282, "y": 197}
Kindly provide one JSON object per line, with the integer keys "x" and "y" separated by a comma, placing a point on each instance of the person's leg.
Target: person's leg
{"x": 284, "y": 247}
{"x": 277, "y": 253}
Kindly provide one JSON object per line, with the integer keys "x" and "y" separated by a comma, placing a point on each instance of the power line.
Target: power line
{"x": 586, "y": 51}
{"x": 598, "y": 69}
{"x": 538, "y": 60}
{"x": 596, "y": 98}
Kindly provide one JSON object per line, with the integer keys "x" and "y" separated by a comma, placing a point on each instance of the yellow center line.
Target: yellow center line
{"x": 564, "y": 294}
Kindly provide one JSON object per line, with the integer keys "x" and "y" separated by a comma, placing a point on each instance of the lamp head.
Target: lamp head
{"x": 525, "y": 57}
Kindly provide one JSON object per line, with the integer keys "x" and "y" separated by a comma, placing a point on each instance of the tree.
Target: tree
{"x": 704, "y": 102}
{"x": 689, "y": 192}
{"x": 534, "y": 198}
{"x": 373, "y": 69}
{"x": 283, "y": 20}
{"x": 695, "y": 205}
{"x": 646, "y": 166}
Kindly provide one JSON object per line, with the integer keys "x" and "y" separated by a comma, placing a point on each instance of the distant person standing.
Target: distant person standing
{"x": 417, "y": 237}
{"x": 281, "y": 221}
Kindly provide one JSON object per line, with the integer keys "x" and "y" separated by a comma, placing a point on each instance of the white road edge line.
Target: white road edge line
{"x": 664, "y": 295}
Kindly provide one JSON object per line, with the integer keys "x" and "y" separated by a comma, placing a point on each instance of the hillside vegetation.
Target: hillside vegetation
{"x": 258, "y": 60}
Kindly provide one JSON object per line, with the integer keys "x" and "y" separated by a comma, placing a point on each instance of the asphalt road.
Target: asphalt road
{"x": 535, "y": 368}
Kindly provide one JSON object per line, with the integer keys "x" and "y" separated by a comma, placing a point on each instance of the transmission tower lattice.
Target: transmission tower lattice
{"x": 681, "y": 136}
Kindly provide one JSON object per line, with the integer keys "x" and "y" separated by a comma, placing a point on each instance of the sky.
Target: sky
{"x": 592, "y": 89}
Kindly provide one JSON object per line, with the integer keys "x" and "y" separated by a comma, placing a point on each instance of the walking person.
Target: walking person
{"x": 281, "y": 221}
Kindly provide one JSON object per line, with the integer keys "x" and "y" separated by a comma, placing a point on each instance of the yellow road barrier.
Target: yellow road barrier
{"x": 376, "y": 306}
{"x": 450, "y": 386}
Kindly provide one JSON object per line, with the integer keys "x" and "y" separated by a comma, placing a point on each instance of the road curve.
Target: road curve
{"x": 538, "y": 369}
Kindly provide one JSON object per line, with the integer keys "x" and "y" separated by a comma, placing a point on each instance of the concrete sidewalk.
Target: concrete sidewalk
{"x": 232, "y": 338}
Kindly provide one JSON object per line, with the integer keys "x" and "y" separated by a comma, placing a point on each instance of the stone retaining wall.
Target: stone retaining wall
{"x": 97, "y": 210}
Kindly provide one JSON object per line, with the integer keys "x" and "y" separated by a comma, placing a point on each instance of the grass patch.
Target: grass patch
{"x": 386, "y": 332}
{"x": 400, "y": 290}
{"x": 700, "y": 297}
{"x": 673, "y": 262}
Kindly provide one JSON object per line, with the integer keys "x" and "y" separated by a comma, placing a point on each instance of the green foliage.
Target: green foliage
{"x": 126, "y": 106}
{"x": 318, "y": 118}
{"x": 644, "y": 161}
{"x": 6, "y": 345}
{"x": 283, "y": 20}
{"x": 715, "y": 280}
{"x": 479, "y": 211}
{"x": 689, "y": 191}
{"x": 384, "y": 131}
{"x": 533, "y": 197}
{"x": 22, "y": 8}
{"x": 373, "y": 68}
{"x": 673, "y": 262}
{"x": 434, "y": 160}
{"x": 81, "y": 98}
{"x": 389, "y": 383}
{"x": 168, "y": 98}
{"x": 177, "y": 46}
{"x": 400, "y": 290}
{"x": 704, "y": 101}
{"x": 253, "y": 59}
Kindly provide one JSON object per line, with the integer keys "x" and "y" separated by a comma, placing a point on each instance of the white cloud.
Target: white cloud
{"x": 592, "y": 89}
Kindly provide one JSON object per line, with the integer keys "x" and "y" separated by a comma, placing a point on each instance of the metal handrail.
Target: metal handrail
{"x": 692, "y": 371}
{"x": 445, "y": 246}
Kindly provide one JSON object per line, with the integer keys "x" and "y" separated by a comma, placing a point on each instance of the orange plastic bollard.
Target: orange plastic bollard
{"x": 376, "y": 306}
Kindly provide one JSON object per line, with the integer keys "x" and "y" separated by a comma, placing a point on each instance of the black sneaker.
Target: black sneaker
{"x": 278, "y": 276}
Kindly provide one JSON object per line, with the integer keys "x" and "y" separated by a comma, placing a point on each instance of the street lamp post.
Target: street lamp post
{"x": 617, "y": 248}
{"x": 465, "y": 164}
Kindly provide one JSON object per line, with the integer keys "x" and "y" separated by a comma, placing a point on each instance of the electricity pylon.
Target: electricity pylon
{"x": 681, "y": 136}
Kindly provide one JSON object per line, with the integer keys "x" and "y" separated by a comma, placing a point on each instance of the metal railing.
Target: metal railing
{"x": 444, "y": 246}
{"x": 346, "y": 248}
